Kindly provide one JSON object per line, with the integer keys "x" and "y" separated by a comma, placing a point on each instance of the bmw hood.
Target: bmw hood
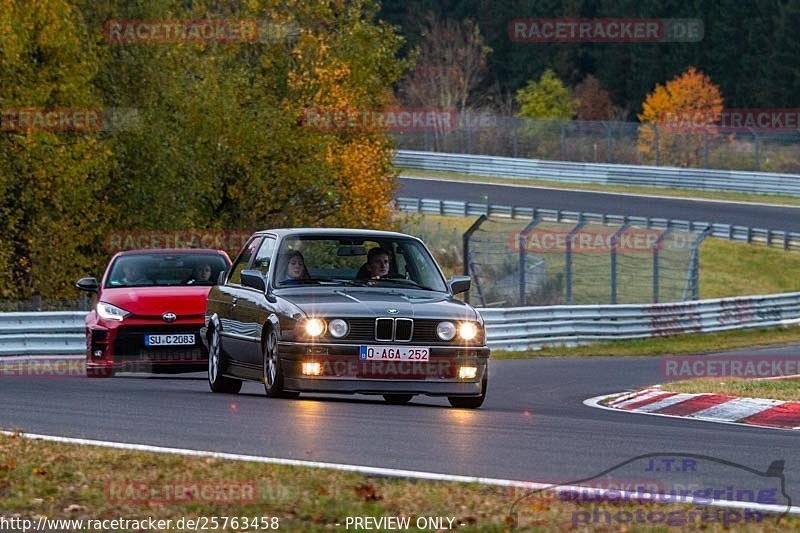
{"x": 374, "y": 302}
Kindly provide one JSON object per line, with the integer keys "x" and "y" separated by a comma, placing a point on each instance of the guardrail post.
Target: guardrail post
{"x": 568, "y": 260}
{"x": 425, "y": 142}
{"x": 465, "y": 248}
{"x": 614, "y": 242}
{"x": 516, "y": 138}
{"x": 656, "y": 253}
{"x": 523, "y": 259}
{"x": 563, "y": 141}
{"x": 757, "y": 150}
{"x": 608, "y": 142}
{"x": 705, "y": 148}
{"x": 37, "y": 302}
{"x": 469, "y": 134}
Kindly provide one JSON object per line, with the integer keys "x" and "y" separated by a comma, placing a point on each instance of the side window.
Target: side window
{"x": 264, "y": 256}
{"x": 241, "y": 262}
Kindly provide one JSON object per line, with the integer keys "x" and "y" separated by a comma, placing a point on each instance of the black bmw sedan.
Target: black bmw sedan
{"x": 344, "y": 311}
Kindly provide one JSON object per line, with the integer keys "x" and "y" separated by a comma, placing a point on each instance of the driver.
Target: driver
{"x": 133, "y": 275}
{"x": 201, "y": 274}
{"x": 377, "y": 266}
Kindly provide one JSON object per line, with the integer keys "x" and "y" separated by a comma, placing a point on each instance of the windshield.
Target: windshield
{"x": 148, "y": 270}
{"x": 370, "y": 262}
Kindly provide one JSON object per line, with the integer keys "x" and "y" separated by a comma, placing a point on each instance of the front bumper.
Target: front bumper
{"x": 342, "y": 371}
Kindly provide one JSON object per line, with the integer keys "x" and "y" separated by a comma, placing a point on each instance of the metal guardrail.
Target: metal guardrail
{"x": 605, "y": 174}
{"x": 787, "y": 240}
{"x": 514, "y": 328}
{"x": 522, "y": 328}
{"x": 48, "y": 333}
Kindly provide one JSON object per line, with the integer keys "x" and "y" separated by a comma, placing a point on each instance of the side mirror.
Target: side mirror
{"x": 254, "y": 279}
{"x": 87, "y": 284}
{"x": 459, "y": 284}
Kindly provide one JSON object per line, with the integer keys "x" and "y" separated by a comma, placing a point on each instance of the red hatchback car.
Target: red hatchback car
{"x": 148, "y": 311}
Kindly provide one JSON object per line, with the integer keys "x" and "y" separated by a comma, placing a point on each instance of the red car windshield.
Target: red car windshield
{"x": 151, "y": 270}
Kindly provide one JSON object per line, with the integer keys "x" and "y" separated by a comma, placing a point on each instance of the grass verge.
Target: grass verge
{"x": 63, "y": 481}
{"x": 652, "y": 191}
{"x": 678, "y": 344}
{"x": 772, "y": 389}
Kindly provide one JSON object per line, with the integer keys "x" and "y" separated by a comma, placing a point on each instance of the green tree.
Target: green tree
{"x": 546, "y": 98}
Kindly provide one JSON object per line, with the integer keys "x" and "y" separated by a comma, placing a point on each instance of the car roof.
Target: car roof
{"x": 333, "y": 232}
{"x": 171, "y": 251}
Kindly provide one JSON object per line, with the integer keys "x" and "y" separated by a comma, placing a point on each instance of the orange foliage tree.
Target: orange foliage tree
{"x": 678, "y": 119}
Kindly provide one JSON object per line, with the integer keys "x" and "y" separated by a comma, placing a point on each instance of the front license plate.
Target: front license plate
{"x": 394, "y": 353}
{"x": 182, "y": 339}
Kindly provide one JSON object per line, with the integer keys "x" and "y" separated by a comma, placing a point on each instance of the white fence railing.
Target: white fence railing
{"x": 515, "y": 328}
{"x": 523, "y": 328}
{"x": 606, "y": 174}
{"x": 787, "y": 240}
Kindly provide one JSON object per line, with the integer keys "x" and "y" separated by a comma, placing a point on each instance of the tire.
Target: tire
{"x": 100, "y": 372}
{"x": 398, "y": 399}
{"x": 272, "y": 370}
{"x": 470, "y": 402}
{"x": 216, "y": 381}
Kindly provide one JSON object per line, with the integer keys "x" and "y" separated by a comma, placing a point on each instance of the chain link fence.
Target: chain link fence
{"x": 518, "y": 262}
{"x": 629, "y": 143}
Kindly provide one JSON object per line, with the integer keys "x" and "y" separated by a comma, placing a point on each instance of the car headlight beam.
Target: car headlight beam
{"x": 467, "y": 331}
{"x": 315, "y": 327}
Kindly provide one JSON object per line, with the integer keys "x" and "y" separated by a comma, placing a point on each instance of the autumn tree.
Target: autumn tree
{"x": 52, "y": 176}
{"x": 594, "y": 102}
{"x": 680, "y": 116}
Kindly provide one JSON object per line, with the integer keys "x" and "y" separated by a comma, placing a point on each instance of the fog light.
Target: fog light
{"x": 312, "y": 369}
{"x": 467, "y": 372}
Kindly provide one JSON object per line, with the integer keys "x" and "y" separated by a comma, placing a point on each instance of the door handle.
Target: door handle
{"x": 234, "y": 300}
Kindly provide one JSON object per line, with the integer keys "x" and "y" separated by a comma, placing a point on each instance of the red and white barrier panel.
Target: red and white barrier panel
{"x": 711, "y": 407}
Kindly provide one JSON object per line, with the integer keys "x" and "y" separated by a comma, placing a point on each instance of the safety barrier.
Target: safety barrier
{"x": 605, "y": 174}
{"x": 523, "y": 328}
{"x": 515, "y": 328}
{"x": 787, "y": 240}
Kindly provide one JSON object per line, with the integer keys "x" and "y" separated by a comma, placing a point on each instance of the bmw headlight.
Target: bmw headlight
{"x": 446, "y": 331}
{"x": 111, "y": 312}
{"x": 315, "y": 327}
{"x": 467, "y": 331}
{"x": 338, "y": 328}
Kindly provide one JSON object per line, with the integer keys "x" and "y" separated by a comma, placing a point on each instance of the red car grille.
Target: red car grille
{"x": 129, "y": 345}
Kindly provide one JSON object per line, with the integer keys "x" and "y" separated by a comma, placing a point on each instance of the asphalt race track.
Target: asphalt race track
{"x": 740, "y": 214}
{"x": 533, "y": 426}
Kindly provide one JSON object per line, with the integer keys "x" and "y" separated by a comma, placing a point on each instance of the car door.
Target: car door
{"x": 233, "y": 337}
{"x": 253, "y": 309}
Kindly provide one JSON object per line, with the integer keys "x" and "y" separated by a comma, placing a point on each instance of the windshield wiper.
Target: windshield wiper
{"x": 404, "y": 280}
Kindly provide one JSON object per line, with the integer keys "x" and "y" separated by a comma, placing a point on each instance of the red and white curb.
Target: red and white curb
{"x": 774, "y": 414}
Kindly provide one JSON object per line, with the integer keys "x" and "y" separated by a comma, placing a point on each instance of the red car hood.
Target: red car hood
{"x": 155, "y": 301}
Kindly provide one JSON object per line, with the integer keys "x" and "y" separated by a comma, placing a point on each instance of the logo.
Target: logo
{"x": 392, "y": 311}
{"x": 169, "y": 316}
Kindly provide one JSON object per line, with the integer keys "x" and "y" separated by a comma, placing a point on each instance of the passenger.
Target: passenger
{"x": 294, "y": 269}
{"x": 201, "y": 274}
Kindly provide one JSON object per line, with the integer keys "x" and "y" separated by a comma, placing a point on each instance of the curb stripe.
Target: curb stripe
{"x": 692, "y": 405}
{"x": 736, "y": 409}
{"x": 785, "y": 415}
{"x": 647, "y": 401}
{"x": 635, "y": 396}
{"x": 666, "y": 402}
